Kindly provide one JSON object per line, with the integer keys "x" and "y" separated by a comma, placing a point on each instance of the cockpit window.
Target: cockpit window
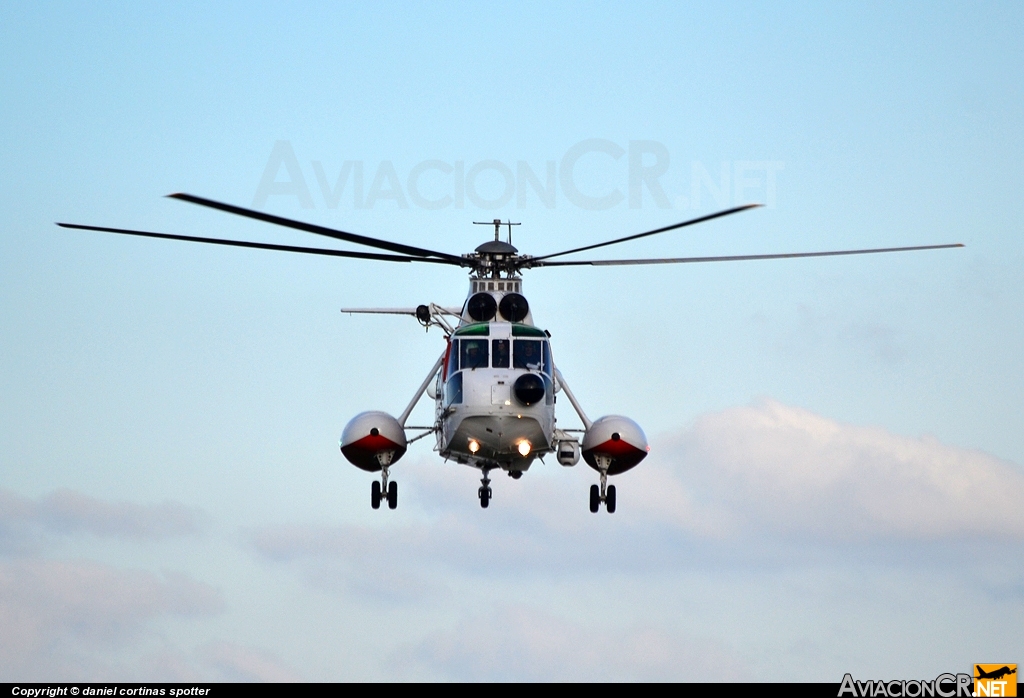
{"x": 530, "y": 354}
{"x": 453, "y": 358}
{"x": 453, "y": 390}
{"x": 472, "y": 353}
{"x": 526, "y": 353}
{"x": 499, "y": 353}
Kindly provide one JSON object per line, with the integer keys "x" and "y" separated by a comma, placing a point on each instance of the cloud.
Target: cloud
{"x": 69, "y": 512}
{"x": 774, "y": 468}
{"x": 84, "y": 620}
{"x": 236, "y": 663}
{"x": 214, "y": 661}
{"x": 520, "y": 643}
{"x": 777, "y": 475}
{"x": 398, "y": 563}
{"x": 791, "y": 534}
{"x": 63, "y": 619}
{"x": 16, "y": 530}
{"x": 25, "y": 524}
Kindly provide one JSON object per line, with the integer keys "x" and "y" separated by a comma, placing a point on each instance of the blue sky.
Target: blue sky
{"x": 836, "y": 443}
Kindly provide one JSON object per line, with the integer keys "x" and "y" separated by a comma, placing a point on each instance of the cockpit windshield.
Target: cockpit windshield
{"x": 469, "y": 353}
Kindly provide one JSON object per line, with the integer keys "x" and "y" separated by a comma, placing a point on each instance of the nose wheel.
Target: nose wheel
{"x": 384, "y": 490}
{"x": 605, "y": 493}
{"x": 484, "y": 493}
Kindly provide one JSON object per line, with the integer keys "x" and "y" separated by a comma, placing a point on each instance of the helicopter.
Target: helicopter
{"x": 495, "y": 383}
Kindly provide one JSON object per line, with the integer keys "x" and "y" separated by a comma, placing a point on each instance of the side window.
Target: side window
{"x": 453, "y": 358}
{"x": 453, "y": 390}
{"x": 548, "y": 366}
{"x": 526, "y": 354}
{"x": 500, "y": 351}
{"x": 472, "y": 353}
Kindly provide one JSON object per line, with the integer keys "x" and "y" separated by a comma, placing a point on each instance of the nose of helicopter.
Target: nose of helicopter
{"x": 500, "y": 437}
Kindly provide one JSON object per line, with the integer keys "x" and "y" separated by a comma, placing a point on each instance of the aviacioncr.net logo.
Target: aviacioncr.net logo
{"x": 995, "y": 680}
{"x": 942, "y": 686}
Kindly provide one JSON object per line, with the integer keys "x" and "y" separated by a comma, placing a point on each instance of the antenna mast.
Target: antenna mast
{"x": 497, "y": 223}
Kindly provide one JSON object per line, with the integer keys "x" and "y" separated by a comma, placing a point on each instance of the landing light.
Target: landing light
{"x": 524, "y": 448}
{"x": 473, "y": 446}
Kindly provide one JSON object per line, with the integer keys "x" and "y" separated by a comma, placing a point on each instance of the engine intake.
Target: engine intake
{"x": 481, "y": 307}
{"x": 513, "y": 307}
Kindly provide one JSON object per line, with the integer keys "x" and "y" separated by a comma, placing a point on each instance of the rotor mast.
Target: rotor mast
{"x": 494, "y": 257}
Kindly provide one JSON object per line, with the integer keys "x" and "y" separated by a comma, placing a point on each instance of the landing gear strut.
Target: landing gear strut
{"x": 384, "y": 489}
{"x": 605, "y": 493}
{"x": 484, "y": 493}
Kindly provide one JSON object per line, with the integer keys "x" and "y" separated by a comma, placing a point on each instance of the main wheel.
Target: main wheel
{"x": 392, "y": 495}
{"x": 595, "y": 499}
{"x": 375, "y": 494}
{"x": 609, "y": 499}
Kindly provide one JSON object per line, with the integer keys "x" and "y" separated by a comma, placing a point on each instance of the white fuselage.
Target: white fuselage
{"x": 484, "y": 421}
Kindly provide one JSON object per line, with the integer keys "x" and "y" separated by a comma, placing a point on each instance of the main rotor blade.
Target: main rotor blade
{"x": 739, "y": 258}
{"x": 320, "y": 230}
{"x": 260, "y": 245}
{"x": 652, "y": 232}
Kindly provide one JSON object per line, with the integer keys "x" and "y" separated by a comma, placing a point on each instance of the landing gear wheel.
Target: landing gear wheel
{"x": 484, "y": 493}
{"x": 609, "y": 499}
{"x": 375, "y": 495}
{"x": 595, "y": 499}
{"x": 392, "y": 495}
